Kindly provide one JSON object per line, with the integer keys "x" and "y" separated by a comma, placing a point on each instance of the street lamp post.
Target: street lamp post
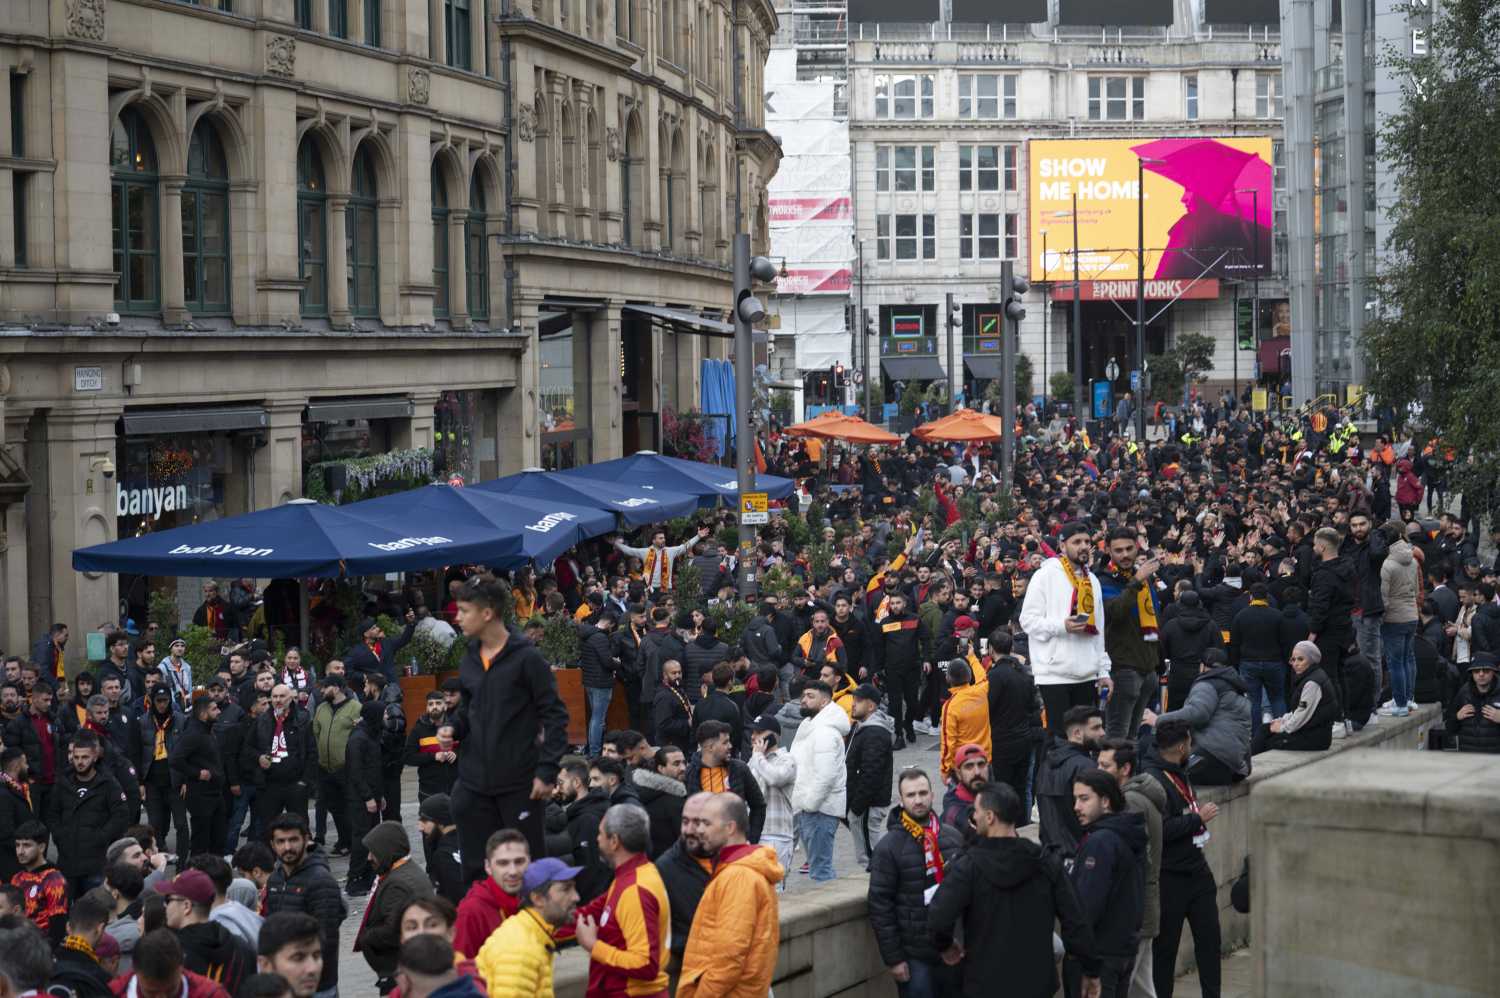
{"x": 1045, "y": 309}
{"x": 748, "y": 310}
{"x": 1254, "y": 193}
{"x": 1140, "y": 292}
{"x": 1078, "y": 376}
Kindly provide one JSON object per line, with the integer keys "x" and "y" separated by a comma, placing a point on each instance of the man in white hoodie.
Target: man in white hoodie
{"x": 819, "y": 796}
{"x": 1063, "y": 617}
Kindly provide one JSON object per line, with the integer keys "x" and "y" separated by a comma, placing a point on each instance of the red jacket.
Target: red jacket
{"x": 198, "y": 986}
{"x": 480, "y": 913}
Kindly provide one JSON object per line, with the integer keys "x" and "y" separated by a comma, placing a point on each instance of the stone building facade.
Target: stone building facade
{"x": 241, "y": 239}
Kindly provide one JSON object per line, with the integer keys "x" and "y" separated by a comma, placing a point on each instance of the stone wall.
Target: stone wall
{"x": 830, "y": 923}
{"x": 1375, "y": 876}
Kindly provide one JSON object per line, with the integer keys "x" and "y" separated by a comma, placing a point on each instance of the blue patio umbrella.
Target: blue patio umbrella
{"x": 711, "y": 483}
{"x": 537, "y": 530}
{"x": 296, "y": 540}
{"x": 635, "y": 505}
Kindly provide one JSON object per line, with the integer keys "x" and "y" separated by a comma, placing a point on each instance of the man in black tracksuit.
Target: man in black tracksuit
{"x": 1330, "y": 605}
{"x": 1187, "y": 891}
{"x": 510, "y": 722}
{"x": 897, "y": 656}
{"x": 366, "y": 793}
{"x": 198, "y": 775}
{"x": 278, "y": 757}
{"x": 86, "y": 812}
{"x": 1109, "y": 877}
{"x": 1255, "y": 650}
{"x": 1015, "y": 722}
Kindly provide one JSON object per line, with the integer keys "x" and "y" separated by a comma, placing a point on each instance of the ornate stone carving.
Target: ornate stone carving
{"x": 281, "y": 55}
{"x": 612, "y": 143}
{"x": 526, "y": 122}
{"x": 418, "y": 85}
{"x": 86, "y": 19}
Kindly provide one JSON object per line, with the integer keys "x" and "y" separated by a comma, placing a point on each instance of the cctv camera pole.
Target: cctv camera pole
{"x": 744, "y": 449}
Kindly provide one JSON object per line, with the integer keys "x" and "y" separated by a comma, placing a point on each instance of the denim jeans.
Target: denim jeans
{"x": 1367, "y": 634}
{"x": 1401, "y": 659}
{"x": 1127, "y": 702}
{"x": 1267, "y": 677}
{"x": 238, "y": 808}
{"x": 929, "y": 980}
{"x": 817, "y": 831}
{"x": 598, "y": 708}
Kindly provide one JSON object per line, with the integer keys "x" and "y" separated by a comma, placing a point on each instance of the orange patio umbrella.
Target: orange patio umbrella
{"x": 834, "y": 425}
{"x": 965, "y": 424}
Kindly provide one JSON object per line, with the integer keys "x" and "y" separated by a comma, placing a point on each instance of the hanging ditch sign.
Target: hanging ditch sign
{"x": 755, "y": 509}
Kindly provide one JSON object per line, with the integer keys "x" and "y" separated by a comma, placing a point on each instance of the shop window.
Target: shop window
{"x": 312, "y": 230}
{"x": 477, "y": 253}
{"x": 136, "y": 217}
{"x": 361, "y": 238}
{"x": 205, "y": 225}
{"x": 439, "y": 243}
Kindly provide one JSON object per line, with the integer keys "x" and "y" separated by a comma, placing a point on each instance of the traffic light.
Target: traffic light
{"x": 955, "y": 313}
{"x": 748, "y": 308}
{"x": 1014, "y": 310}
{"x": 869, "y": 323}
{"x": 838, "y": 376}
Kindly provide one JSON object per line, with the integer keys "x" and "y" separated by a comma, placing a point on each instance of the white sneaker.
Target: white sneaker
{"x": 1265, "y": 717}
{"x": 1373, "y": 719}
{"x": 1339, "y": 730}
{"x": 1389, "y": 709}
{"x": 1388, "y": 704}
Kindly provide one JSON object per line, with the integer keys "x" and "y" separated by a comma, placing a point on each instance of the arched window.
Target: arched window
{"x": 633, "y": 184}
{"x": 439, "y": 242}
{"x": 361, "y": 238}
{"x": 312, "y": 229}
{"x": 477, "y": 252}
{"x": 136, "y": 216}
{"x": 205, "y": 225}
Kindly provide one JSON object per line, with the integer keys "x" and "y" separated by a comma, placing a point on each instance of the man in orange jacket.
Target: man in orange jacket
{"x": 731, "y": 950}
{"x": 966, "y": 715}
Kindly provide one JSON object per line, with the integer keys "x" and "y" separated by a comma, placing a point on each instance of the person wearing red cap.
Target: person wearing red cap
{"x": 208, "y": 948}
{"x": 971, "y": 771}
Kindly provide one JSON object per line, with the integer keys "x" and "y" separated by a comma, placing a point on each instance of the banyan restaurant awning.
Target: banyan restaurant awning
{"x": 373, "y": 407}
{"x": 912, "y": 368}
{"x": 987, "y": 367}
{"x": 682, "y": 317}
{"x": 164, "y": 422}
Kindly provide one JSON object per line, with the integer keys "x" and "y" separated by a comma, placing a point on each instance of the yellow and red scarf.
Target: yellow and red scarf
{"x": 666, "y": 567}
{"x": 1083, "y": 594}
{"x": 927, "y": 836}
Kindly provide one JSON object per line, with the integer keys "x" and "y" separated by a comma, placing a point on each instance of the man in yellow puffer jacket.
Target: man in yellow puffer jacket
{"x": 516, "y": 960}
{"x": 966, "y": 715}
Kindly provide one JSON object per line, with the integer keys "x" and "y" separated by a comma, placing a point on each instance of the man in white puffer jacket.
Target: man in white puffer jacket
{"x": 819, "y": 796}
{"x": 1064, "y": 625}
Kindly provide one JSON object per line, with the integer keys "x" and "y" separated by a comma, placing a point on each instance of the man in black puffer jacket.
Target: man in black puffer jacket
{"x": 868, "y": 762}
{"x": 198, "y": 774}
{"x": 1109, "y": 877}
{"x": 904, "y": 867}
{"x": 699, "y": 658}
{"x": 366, "y": 786}
{"x": 1184, "y": 639}
{"x": 596, "y": 660}
{"x": 1330, "y": 605}
{"x": 278, "y": 756}
{"x": 301, "y": 883}
{"x": 85, "y": 814}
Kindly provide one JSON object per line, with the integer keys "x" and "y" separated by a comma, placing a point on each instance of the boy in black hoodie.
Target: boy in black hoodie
{"x": 366, "y": 793}
{"x": 1109, "y": 877}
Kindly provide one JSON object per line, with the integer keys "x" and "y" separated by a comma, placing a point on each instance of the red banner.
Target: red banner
{"x": 1204, "y": 287}
{"x": 789, "y": 211}
{"x": 815, "y": 281}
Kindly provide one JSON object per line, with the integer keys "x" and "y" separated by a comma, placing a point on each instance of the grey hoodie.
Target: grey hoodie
{"x": 1399, "y": 586}
{"x": 1144, "y": 795}
{"x": 238, "y": 919}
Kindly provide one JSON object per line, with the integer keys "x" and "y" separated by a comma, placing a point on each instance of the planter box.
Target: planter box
{"x": 414, "y": 690}
{"x": 570, "y": 688}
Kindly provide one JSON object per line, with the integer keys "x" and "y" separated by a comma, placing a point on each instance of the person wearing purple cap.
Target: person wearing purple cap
{"x": 516, "y": 960}
{"x": 208, "y": 948}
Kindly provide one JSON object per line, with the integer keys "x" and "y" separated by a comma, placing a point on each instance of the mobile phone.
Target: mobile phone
{"x": 1080, "y": 617}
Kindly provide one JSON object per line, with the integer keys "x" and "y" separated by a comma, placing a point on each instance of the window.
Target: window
{"x": 312, "y": 230}
{"x": 986, "y": 236}
{"x": 477, "y": 253}
{"x": 18, "y": 115}
{"x": 986, "y": 95}
{"x": 987, "y": 168}
{"x": 906, "y": 237}
{"x": 361, "y": 236}
{"x": 338, "y": 18}
{"x": 1268, "y": 95}
{"x": 372, "y": 22}
{"x": 1117, "y": 98}
{"x": 304, "y": 14}
{"x": 205, "y": 226}
{"x": 905, "y": 168}
{"x": 456, "y": 23}
{"x": 19, "y": 180}
{"x": 439, "y": 243}
{"x": 1190, "y": 93}
{"x": 903, "y": 96}
{"x": 133, "y": 204}
{"x": 18, "y": 184}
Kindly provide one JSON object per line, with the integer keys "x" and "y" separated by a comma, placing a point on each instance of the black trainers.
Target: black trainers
{"x": 341, "y": 850}
{"x": 899, "y": 744}
{"x": 358, "y": 888}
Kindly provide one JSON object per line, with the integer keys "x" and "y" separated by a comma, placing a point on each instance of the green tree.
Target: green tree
{"x": 1436, "y": 336}
{"x": 1189, "y": 359}
{"x": 1061, "y": 384}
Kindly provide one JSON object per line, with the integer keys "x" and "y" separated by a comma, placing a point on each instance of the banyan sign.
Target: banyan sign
{"x": 1204, "y": 287}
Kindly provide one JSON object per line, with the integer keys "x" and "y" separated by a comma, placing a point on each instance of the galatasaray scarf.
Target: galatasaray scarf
{"x": 666, "y": 567}
{"x": 927, "y": 836}
{"x": 1145, "y": 603}
{"x": 1083, "y": 594}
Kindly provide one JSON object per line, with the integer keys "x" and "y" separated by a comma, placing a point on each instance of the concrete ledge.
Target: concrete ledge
{"x": 1375, "y": 875}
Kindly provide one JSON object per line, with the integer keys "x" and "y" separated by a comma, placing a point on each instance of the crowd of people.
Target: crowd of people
{"x": 1132, "y": 621}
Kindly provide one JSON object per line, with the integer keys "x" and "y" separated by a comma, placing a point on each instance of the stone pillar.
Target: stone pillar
{"x": 277, "y": 467}
{"x": 417, "y": 431}
{"x": 81, "y": 208}
{"x": 603, "y": 346}
{"x": 320, "y": 15}
{"x": 173, "y": 305}
{"x": 477, "y": 29}
{"x": 339, "y": 314}
{"x": 270, "y": 209}
{"x": 354, "y": 11}
{"x": 438, "y": 26}
{"x": 13, "y": 624}
{"x": 83, "y": 512}
{"x": 458, "y": 277}
{"x": 517, "y": 433}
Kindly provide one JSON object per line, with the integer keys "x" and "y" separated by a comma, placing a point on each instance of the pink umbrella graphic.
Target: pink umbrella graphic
{"x": 1216, "y": 180}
